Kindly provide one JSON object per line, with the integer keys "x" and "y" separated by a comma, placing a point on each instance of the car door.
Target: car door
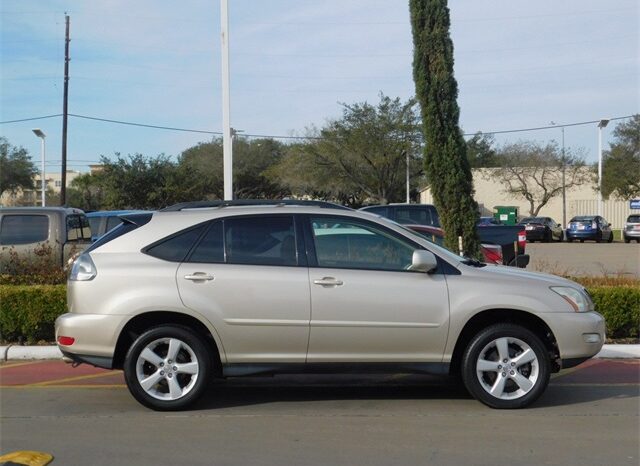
{"x": 365, "y": 305}
{"x": 246, "y": 277}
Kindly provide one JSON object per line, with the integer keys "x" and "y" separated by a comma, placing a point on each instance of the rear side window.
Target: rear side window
{"x": 211, "y": 247}
{"x": 24, "y": 229}
{"x": 260, "y": 240}
{"x": 176, "y": 247}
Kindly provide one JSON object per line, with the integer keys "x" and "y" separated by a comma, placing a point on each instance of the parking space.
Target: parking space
{"x": 589, "y": 416}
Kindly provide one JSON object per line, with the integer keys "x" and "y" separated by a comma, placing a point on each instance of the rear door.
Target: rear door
{"x": 246, "y": 277}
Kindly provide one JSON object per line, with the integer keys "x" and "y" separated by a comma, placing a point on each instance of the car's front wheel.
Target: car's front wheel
{"x": 506, "y": 366}
{"x": 167, "y": 368}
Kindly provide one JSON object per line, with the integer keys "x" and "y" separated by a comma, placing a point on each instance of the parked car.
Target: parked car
{"x": 26, "y": 230}
{"x": 589, "y": 227}
{"x": 104, "y": 220}
{"x": 407, "y": 214}
{"x": 632, "y": 228}
{"x": 543, "y": 229}
{"x": 492, "y": 253}
{"x": 179, "y": 296}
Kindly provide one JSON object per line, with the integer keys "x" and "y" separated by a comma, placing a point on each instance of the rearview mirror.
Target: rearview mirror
{"x": 423, "y": 261}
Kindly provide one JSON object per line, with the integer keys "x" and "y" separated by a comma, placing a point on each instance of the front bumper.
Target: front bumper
{"x": 95, "y": 337}
{"x": 580, "y": 335}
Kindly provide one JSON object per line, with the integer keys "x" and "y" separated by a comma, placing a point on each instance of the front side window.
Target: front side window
{"x": 260, "y": 240}
{"x": 345, "y": 243}
{"x": 24, "y": 229}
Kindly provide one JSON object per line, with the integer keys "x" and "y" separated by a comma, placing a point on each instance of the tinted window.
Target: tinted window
{"x": 260, "y": 240}
{"x": 377, "y": 210}
{"x": 113, "y": 222}
{"x": 417, "y": 215}
{"x": 633, "y": 219}
{"x": 343, "y": 243}
{"x": 176, "y": 247}
{"x": 24, "y": 229}
{"x": 78, "y": 228}
{"x": 94, "y": 223}
{"x": 133, "y": 222}
{"x": 211, "y": 247}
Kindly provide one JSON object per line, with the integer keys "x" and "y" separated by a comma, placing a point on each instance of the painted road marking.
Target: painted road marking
{"x": 73, "y": 379}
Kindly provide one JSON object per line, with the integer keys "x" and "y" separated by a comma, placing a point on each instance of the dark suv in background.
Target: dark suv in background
{"x": 407, "y": 214}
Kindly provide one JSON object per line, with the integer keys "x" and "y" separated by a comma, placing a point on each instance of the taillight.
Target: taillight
{"x": 66, "y": 341}
{"x": 594, "y": 225}
{"x": 522, "y": 239}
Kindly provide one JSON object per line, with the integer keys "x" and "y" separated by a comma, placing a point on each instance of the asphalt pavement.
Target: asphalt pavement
{"x": 589, "y": 415}
{"x": 578, "y": 259}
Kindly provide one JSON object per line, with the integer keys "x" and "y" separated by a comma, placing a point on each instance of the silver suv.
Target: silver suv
{"x": 227, "y": 289}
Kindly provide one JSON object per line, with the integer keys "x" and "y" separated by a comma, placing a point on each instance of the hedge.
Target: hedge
{"x": 29, "y": 312}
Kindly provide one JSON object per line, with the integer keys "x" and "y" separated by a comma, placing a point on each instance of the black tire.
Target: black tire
{"x": 192, "y": 349}
{"x": 582, "y": 241}
{"x": 610, "y": 240}
{"x": 561, "y": 237}
{"x": 569, "y": 240}
{"x": 517, "y": 337}
{"x": 548, "y": 236}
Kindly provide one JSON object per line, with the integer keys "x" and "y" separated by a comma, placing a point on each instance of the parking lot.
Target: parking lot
{"x": 588, "y": 258}
{"x": 588, "y": 416}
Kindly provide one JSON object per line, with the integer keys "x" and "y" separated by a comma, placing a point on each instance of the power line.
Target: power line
{"x": 273, "y": 136}
{"x": 144, "y": 125}
{"x": 31, "y": 119}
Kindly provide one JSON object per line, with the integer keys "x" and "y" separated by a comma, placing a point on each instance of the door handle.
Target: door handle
{"x": 327, "y": 282}
{"x": 198, "y": 276}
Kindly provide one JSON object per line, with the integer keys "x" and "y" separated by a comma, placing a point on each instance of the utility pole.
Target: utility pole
{"x": 227, "y": 146}
{"x": 564, "y": 185}
{"x": 408, "y": 180}
{"x": 63, "y": 187}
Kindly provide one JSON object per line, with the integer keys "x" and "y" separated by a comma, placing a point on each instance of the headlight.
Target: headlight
{"x": 579, "y": 301}
{"x": 83, "y": 269}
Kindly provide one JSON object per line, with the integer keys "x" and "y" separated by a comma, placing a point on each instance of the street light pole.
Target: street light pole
{"x": 408, "y": 182}
{"x": 227, "y": 146}
{"x": 39, "y": 133}
{"x": 602, "y": 124}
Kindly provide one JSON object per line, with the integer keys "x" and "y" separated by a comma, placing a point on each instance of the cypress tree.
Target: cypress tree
{"x": 445, "y": 153}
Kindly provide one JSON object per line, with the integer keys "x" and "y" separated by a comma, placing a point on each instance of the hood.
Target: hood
{"x": 502, "y": 272}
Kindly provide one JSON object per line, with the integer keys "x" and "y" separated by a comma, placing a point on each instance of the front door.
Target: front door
{"x": 365, "y": 305}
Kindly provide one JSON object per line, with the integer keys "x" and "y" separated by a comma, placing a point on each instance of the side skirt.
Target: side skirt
{"x": 249, "y": 369}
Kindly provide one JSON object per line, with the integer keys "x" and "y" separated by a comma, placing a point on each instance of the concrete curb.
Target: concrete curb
{"x": 17, "y": 352}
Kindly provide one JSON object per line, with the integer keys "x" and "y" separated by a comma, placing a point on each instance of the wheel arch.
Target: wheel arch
{"x": 142, "y": 322}
{"x": 489, "y": 317}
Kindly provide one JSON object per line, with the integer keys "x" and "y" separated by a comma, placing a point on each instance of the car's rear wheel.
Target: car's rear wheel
{"x": 506, "y": 366}
{"x": 167, "y": 368}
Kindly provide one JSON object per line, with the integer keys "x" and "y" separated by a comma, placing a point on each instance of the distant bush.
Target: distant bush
{"x": 620, "y": 306}
{"x": 40, "y": 267}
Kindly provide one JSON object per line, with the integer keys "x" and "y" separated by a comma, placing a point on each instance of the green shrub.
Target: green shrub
{"x": 30, "y": 311}
{"x": 620, "y": 306}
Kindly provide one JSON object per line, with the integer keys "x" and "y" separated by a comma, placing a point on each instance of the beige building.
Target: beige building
{"x": 53, "y": 184}
{"x": 581, "y": 200}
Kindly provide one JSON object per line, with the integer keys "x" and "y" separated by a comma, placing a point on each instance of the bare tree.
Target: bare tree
{"x": 534, "y": 172}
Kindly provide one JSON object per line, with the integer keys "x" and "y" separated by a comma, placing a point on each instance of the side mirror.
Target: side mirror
{"x": 423, "y": 261}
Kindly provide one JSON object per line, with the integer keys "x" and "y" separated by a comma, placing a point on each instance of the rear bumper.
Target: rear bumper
{"x": 591, "y": 234}
{"x": 535, "y": 235}
{"x": 95, "y": 337}
{"x": 631, "y": 233}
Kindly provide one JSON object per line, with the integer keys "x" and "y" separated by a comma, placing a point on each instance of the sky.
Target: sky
{"x": 518, "y": 65}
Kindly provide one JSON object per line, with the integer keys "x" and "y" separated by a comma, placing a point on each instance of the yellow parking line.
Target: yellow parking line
{"x": 17, "y": 364}
{"x": 73, "y": 379}
{"x": 32, "y": 387}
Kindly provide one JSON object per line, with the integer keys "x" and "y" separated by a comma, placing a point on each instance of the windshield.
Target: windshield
{"x": 582, "y": 219}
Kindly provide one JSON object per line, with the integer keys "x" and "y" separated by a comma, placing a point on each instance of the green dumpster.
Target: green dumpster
{"x": 508, "y": 215}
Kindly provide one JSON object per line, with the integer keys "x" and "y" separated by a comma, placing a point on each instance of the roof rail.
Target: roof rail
{"x": 250, "y": 202}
